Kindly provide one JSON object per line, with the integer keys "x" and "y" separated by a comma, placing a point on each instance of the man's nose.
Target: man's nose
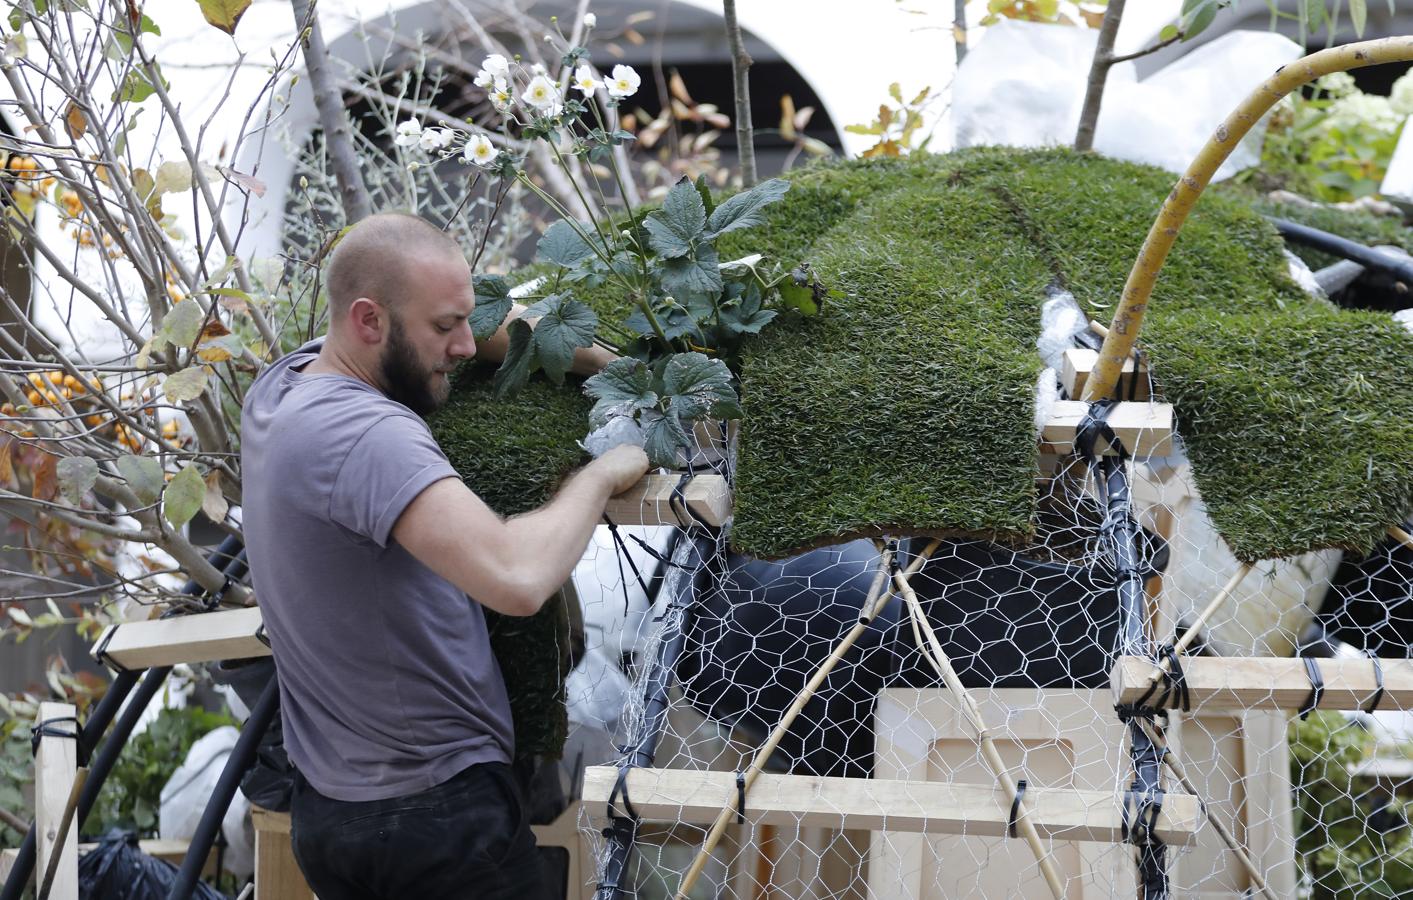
{"x": 464, "y": 347}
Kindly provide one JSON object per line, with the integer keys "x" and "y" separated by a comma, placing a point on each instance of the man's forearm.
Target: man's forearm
{"x": 558, "y": 533}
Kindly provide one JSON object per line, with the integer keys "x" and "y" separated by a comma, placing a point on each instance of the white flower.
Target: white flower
{"x": 584, "y": 79}
{"x": 479, "y": 150}
{"x": 484, "y": 79}
{"x": 624, "y": 82}
{"x": 1337, "y": 84}
{"x": 1360, "y": 110}
{"x": 501, "y": 98}
{"x": 540, "y": 93}
{"x": 539, "y": 69}
{"x": 590, "y": 20}
{"x": 1402, "y": 95}
{"x": 434, "y": 139}
{"x": 409, "y": 133}
{"x": 498, "y": 66}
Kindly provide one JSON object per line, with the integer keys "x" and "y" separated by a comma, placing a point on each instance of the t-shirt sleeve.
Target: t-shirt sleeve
{"x": 394, "y": 461}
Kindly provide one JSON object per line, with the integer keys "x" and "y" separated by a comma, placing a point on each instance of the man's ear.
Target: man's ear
{"x": 367, "y": 320}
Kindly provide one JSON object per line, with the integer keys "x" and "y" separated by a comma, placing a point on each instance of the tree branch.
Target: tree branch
{"x": 741, "y": 82}
{"x": 1098, "y": 75}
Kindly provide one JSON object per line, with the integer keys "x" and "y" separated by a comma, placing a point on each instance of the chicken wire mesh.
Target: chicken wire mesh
{"x": 696, "y": 655}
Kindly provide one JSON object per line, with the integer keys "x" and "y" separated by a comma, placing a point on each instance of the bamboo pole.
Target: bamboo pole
{"x": 1163, "y": 668}
{"x": 1401, "y": 536}
{"x": 972, "y": 712}
{"x": 877, "y": 599}
{"x": 1128, "y": 318}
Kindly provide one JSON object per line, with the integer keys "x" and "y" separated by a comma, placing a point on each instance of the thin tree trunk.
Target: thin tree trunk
{"x": 333, "y": 118}
{"x": 1098, "y": 74}
{"x": 959, "y": 28}
{"x": 740, "y": 69}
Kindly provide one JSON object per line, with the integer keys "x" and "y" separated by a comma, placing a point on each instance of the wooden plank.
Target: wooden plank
{"x": 649, "y": 501}
{"x": 692, "y": 797}
{"x": 1078, "y": 363}
{"x": 200, "y": 637}
{"x": 55, "y": 764}
{"x": 172, "y": 851}
{"x": 277, "y": 874}
{"x": 1253, "y": 682}
{"x": 1145, "y": 429}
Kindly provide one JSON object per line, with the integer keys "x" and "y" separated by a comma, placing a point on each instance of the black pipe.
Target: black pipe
{"x": 622, "y": 832}
{"x": 242, "y": 755}
{"x": 1333, "y": 244}
{"x": 230, "y": 555}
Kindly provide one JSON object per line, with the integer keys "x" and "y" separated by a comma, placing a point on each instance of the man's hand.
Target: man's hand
{"x": 620, "y": 468}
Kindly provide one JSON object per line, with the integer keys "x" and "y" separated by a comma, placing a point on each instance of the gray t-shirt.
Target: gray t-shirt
{"x": 387, "y": 681}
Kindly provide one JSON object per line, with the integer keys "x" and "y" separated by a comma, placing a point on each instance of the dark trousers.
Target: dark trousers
{"x": 466, "y": 838}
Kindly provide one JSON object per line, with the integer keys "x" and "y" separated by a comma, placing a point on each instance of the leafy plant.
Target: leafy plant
{"x": 691, "y": 310}
{"x": 897, "y": 125}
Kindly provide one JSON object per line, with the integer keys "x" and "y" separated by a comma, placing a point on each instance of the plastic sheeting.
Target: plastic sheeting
{"x": 1024, "y": 83}
{"x": 185, "y": 794}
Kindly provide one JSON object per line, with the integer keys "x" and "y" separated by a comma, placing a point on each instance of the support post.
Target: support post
{"x": 55, "y": 767}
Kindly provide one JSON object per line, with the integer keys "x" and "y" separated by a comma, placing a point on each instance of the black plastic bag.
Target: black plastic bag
{"x": 269, "y": 783}
{"x": 117, "y": 870}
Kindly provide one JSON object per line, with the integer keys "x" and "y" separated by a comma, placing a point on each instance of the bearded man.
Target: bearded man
{"x": 372, "y": 561}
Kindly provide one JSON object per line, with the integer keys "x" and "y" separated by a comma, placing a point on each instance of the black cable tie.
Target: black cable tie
{"x": 620, "y": 790}
{"x": 1176, "y": 678}
{"x": 740, "y": 798}
{"x": 1317, "y": 687}
{"x": 677, "y": 502}
{"x": 262, "y": 635}
{"x": 621, "y": 553}
{"x": 1015, "y": 808}
{"x": 1373, "y": 703}
{"x": 1094, "y": 426}
{"x": 1172, "y": 685}
{"x": 50, "y": 728}
{"x": 100, "y": 652}
{"x": 214, "y": 601}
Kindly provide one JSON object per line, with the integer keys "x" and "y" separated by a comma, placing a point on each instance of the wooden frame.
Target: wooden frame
{"x": 649, "y": 502}
{"x": 1079, "y": 362}
{"x": 1235, "y": 683}
{"x": 922, "y": 807}
{"x": 1144, "y": 429}
{"x": 202, "y": 637}
{"x": 55, "y": 767}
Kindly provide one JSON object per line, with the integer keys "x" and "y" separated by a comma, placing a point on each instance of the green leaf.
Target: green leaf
{"x": 697, "y": 386}
{"x": 183, "y": 496}
{"x": 1197, "y": 15}
{"x": 185, "y": 385}
{"x": 76, "y": 477}
{"x": 143, "y": 475}
{"x": 183, "y": 323}
{"x": 565, "y": 325}
{"x": 1169, "y": 32}
{"x": 136, "y": 87}
{"x": 493, "y": 304}
{"x": 1359, "y": 15}
{"x": 744, "y": 209}
{"x": 672, "y": 228}
{"x": 562, "y": 245}
{"x": 705, "y": 192}
{"x": 519, "y": 362}
{"x": 224, "y": 14}
{"x": 664, "y": 439}
{"x": 687, "y": 279}
{"x": 623, "y": 387}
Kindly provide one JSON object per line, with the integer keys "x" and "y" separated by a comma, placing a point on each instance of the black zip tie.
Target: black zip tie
{"x": 100, "y": 652}
{"x": 1140, "y": 816}
{"x": 1094, "y": 426}
{"x": 1373, "y": 703}
{"x": 621, "y": 554}
{"x": 1015, "y": 808}
{"x": 1317, "y": 688}
{"x": 740, "y": 798}
{"x": 50, "y": 728}
{"x": 214, "y": 601}
{"x": 677, "y": 502}
{"x": 1176, "y": 679}
{"x": 262, "y": 635}
{"x": 620, "y": 790}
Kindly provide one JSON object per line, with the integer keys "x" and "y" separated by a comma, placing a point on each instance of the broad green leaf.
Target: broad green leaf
{"x": 493, "y": 304}
{"x": 182, "y": 324}
{"x": 623, "y": 387}
{"x": 1169, "y": 32}
{"x": 224, "y": 14}
{"x": 136, "y": 87}
{"x": 565, "y": 325}
{"x": 563, "y": 245}
{"x": 143, "y": 475}
{"x": 664, "y": 439}
{"x": 1359, "y": 15}
{"x": 672, "y": 228}
{"x": 76, "y": 477}
{"x": 183, "y": 496}
{"x": 185, "y": 385}
{"x": 687, "y": 278}
{"x": 697, "y": 385}
{"x": 514, "y": 372}
{"x": 744, "y": 210}
{"x": 705, "y": 192}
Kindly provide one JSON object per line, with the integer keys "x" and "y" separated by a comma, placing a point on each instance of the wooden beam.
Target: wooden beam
{"x": 1145, "y": 429}
{"x": 198, "y": 637}
{"x": 173, "y": 851}
{"x": 927, "y": 807}
{"x": 55, "y": 765}
{"x": 1252, "y": 682}
{"x": 1078, "y": 363}
{"x": 649, "y": 502}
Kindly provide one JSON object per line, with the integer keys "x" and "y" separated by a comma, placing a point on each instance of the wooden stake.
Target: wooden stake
{"x": 877, "y": 599}
{"x": 1402, "y": 536}
{"x": 972, "y": 712}
{"x": 55, "y": 769}
{"x": 55, "y": 859}
{"x": 1128, "y": 317}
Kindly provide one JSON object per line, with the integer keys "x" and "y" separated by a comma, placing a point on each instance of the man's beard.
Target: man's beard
{"x": 404, "y": 379}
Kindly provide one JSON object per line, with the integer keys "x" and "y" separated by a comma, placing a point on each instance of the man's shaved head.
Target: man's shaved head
{"x": 379, "y": 257}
